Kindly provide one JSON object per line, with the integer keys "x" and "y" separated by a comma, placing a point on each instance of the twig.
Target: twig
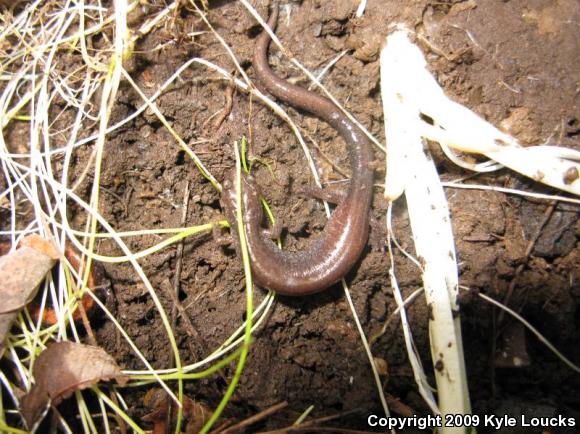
{"x": 229, "y": 94}
{"x": 252, "y": 420}
{"x": 300, "y": 428}
{"x": 547, "y": 215}
{"x": 187, "y": 324}
{"x": 308, "y": 426}
{"x": 176, "y": 285}
{"x": 179, "y": 256}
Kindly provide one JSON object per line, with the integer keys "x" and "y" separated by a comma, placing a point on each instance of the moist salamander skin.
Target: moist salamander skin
{"x": 334, "y": 252}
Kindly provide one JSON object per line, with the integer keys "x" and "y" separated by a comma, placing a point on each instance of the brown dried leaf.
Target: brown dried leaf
{"x": 21, "y": 272}
{"x": 41, "y": 244}
{"x": 60, "y": 370}
{"x": 6, "y": 320}
{"x": 157, "y": 400}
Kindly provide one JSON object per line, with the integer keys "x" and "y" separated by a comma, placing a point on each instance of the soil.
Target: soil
{"x": 512, "y": 62}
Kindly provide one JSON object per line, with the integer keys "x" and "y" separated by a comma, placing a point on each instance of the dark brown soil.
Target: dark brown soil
{"x": 513, "y": 62}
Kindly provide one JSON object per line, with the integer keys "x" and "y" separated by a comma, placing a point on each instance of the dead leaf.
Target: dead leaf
{"x": 6, "y": 320}
{"x": 21, "y": 272}
{"x": 41, "y": 244}
{"x": 158, "y": 401}
{"x": 60, "y": 370}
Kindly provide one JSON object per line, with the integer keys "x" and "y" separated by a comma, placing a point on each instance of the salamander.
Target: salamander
{"x": 337, "y": 248}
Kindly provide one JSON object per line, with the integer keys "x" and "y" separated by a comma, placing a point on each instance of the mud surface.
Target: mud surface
{"x": 513, "y": 62}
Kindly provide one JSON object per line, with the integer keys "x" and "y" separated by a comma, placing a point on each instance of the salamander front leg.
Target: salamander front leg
{"x": 334, "y": 196}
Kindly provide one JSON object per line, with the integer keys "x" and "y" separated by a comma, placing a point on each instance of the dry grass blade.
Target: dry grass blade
{"x": 314, "y": 425}
{"x": 241, "y": 426}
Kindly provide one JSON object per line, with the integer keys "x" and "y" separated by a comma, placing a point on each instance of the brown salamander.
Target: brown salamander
{"x": 334, "y": 252}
